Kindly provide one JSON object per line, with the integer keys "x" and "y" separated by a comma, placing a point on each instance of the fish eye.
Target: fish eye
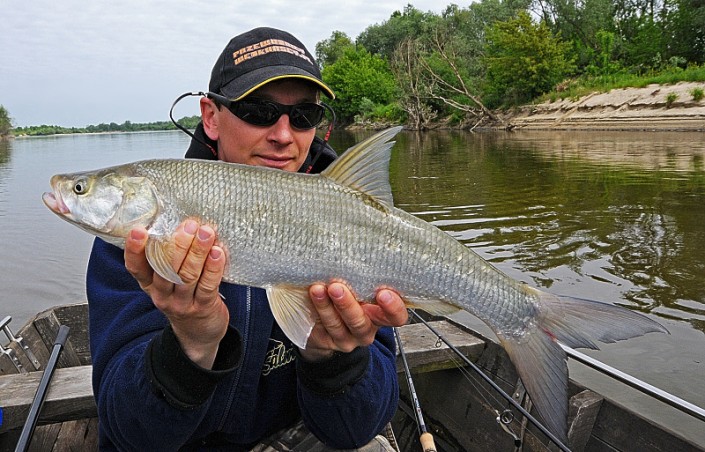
{"x": 80, "y": 187}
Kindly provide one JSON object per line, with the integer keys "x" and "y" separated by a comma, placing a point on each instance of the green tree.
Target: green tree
{"x": 359, "y": 75}
{"x": 383, "y": 39}
{"x": 456, "y": 46}
{"x": 5, "y": 122}
{"x": 579, "y": 22}
{"x": 686, "y": 27}
{"x": 440, "y": 71}
{"x": 330, "y": 50}
{"x": 523, "y": 60}
{"x": 603, "y": 60}
{"x": 645, "y": 50}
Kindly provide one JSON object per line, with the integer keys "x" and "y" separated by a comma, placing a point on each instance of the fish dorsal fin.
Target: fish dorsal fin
{"x": 365, "y": 167}
{"x": 294, "y": 312}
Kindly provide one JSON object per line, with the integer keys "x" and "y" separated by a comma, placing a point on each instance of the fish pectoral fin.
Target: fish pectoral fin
{"x": 433, "y": 307}
{"x": 294, "y": 312}
{"x": 158, "y": 253}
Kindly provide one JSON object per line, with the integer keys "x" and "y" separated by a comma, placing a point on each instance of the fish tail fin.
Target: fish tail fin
{"x": 542, "y": 366}
{"x": 578, "y": 322}
{"x": 542, "y": 363}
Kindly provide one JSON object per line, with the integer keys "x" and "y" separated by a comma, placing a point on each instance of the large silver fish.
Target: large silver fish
{"x": 284, "y": 231}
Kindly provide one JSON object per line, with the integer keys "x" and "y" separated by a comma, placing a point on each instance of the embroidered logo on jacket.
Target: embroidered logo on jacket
{"x": 278, "y": 356}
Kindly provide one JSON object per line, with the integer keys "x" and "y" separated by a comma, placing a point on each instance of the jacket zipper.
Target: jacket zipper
{"x": 238, "y": 374}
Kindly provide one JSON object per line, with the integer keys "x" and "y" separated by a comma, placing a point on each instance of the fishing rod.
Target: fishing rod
{"x": 494, "y": 385}
{"x": 426, "y": 438}
{"x": 637, "y": 384}
{"x": 40, "y": 396}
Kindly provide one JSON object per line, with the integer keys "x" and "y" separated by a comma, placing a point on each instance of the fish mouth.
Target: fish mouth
{"x": 53, "y": 199}
{"x": 55, "y": 204}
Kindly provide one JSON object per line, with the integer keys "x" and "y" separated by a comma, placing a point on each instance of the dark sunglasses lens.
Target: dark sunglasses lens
{"x": 256, "y": 113}
{"x": 263, "y": 113}
{"x": 306, "y": 116}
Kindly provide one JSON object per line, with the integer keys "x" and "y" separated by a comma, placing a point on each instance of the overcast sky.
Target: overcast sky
{"x": 78, "y": 62}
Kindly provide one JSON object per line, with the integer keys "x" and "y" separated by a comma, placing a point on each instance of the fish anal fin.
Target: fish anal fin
{"x": 159, "y": 254}
{"x": 365, "y": 167}
{"x": 293, "y": 311}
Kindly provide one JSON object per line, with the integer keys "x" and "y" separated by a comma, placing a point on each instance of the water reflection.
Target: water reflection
{"x": 4, "y": 153}
{"x": 610, "y": 215}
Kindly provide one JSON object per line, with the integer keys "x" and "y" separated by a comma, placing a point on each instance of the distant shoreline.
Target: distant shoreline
{"x": 625, "y": 109}
{"x": 90, "y": 133}
{"x": 655, "y": 108}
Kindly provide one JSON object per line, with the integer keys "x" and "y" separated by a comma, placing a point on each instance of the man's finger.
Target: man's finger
{"x": 349, "y": 310}
{"x": 389, "y": 309}
{"x": 212, "y": 274}
{"x": 183, "y": 239}
{"x": 327, "y": 313}
{"x": 192, "y": 264}
{"x": 135, "y": 259}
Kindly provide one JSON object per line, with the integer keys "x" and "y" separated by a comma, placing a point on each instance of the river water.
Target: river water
{"x": 612, "y": 216}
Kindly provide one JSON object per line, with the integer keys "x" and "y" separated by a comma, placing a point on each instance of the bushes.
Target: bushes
{"x": 359, "y": 79}
{"x": 5, "y": 122}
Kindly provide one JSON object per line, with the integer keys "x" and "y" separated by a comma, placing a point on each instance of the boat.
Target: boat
{"x": 68, "y": 419}
{"x": 460, "y": 416}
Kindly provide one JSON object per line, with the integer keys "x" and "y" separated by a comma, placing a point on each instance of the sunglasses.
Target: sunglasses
{"x": 260, "y": 112}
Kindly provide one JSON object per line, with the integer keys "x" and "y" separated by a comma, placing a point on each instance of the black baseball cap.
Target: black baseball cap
{"x": 260, "y": 56}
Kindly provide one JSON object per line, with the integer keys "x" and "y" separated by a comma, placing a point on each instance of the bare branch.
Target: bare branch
{"x": 445, "y": 51}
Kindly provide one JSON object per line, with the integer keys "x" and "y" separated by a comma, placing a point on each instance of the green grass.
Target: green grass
{"x": 697, "y": 94}
{"x": 577, "y": 88}
{"x": 670, "y": 98}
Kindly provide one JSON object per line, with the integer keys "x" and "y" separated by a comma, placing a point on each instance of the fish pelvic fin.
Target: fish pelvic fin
{"x": 294, "y": 312}
{"x": 365, "y": 167}
{"x": 541, "y": 362}
{"x": 159, "y": 254}
{"x": 433, "y": 307}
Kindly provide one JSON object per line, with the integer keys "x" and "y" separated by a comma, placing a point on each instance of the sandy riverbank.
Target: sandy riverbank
{"x": 621, "y": 109}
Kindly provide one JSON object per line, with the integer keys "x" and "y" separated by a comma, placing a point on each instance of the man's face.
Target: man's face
{"x": 277, "y": 146}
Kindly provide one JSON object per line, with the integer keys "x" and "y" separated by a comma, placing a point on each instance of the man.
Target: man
{"x": 204, "y": 364}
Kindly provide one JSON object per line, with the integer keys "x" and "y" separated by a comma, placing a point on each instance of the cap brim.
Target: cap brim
{"x": 258, "y": 78}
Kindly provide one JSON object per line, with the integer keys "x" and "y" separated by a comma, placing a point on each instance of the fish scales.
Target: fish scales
{"x": 284, "y": 231}
{"x": 278, "y": 232}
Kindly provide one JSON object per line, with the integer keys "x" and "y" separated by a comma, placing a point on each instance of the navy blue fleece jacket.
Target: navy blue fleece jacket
{"x": 150, "y": 396}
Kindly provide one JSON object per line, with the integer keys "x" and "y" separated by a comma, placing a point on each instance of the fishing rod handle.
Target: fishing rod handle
{"x": 427, "y": 443}
{"x": 62, "y": 335}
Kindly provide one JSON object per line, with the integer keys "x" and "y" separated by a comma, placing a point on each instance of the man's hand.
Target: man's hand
{"x": 195, "y": 310}
{"x": 346, "y": 323}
